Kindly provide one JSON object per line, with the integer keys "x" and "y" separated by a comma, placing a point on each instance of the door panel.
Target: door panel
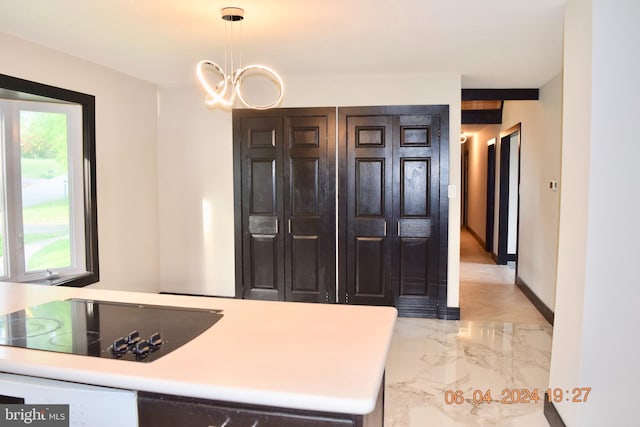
{"x": 369, "y": 196}
{"x": 262, "y": 207}
{"x": 262, "y": 181}
{"x": 262, "y": 137}
{"x": 264, "y": 262}
{"x": 416, "y": 244}
{"x": 310, "y": 204}
{"x": 414, "y": 272}
{"x": 370, "y": 182}
{"x": 369, "y": 267}
{"x": 306, "y": 250}
{"x": 263, "y": 225}
{"x": 415, "y": 176}
{"x": 305, "y": 184}
{"x": 413, "y": 227}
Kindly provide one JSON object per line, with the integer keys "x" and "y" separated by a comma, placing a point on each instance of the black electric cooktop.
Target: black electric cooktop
{"x": 122, "y": 331}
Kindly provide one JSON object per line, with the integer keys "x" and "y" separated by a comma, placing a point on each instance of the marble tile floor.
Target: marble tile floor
{"x": 488, "y": 291}
{"x": 501, "y": 342}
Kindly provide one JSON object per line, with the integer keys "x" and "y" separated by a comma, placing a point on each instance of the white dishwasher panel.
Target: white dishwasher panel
{"x": 89, "y": 405}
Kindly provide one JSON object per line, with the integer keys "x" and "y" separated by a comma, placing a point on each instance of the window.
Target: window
{"x": 48, "y": 230}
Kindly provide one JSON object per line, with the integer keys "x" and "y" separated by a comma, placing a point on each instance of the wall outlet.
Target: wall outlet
{"x": 553, "y": 185}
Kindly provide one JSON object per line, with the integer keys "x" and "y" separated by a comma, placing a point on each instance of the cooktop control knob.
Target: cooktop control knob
{"x": 141, "y": 347}
{"x": 133, "y": 338}
{"x": 155, "y": 340}
{"x": 119, "y": 346}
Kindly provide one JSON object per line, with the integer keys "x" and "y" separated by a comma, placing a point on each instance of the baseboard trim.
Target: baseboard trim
{"x": 551, "y": 413}
{"x": 546, "y": 312}
{"x": 416, "y": 307}
{"x": 476, "y": 236}
{"x": 512, "y": 257}
{"x": 448, "y": 313}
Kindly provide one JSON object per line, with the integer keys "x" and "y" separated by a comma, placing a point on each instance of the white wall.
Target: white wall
{"x": 574, "y": 188}
{"x": 610, "y": 353}
{"x": 540, "y": 162}
{"x": 594, "y": 342}
{"x": 126, "y": 157}
{"x": 195, "y": 175}
{"x": 195, "y": 167}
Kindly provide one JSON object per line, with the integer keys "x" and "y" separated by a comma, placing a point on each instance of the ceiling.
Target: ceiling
{"x": 492, "y": 43}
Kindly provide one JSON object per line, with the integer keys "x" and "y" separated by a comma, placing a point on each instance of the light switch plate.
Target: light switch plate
{"x": 453, "y": 193}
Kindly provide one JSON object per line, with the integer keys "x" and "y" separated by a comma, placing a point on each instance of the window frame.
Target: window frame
{"x": 21, "y": 89}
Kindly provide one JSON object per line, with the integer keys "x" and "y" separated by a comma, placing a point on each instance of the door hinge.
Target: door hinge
{"x": 347, "y": 298}
{"x": 326, "y": 296}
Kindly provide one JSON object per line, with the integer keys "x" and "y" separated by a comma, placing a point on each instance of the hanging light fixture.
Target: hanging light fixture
{"x": 229, "y": 85}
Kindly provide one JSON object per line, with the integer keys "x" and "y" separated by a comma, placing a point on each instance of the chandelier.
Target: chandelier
{"x": 228, "y": 86}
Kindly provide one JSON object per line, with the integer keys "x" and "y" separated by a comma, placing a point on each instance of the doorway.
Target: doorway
{"x": 488, "y": 288}
{"x": 465, "y": 186}
{"x": 491, "y": 195}
{"x": 509, "y": 196}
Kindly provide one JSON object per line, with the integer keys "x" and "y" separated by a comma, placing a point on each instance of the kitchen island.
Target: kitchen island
{"x": 304, "y": 360}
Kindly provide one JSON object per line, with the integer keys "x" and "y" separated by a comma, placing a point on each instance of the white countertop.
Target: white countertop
{"x": 325, "y": 357}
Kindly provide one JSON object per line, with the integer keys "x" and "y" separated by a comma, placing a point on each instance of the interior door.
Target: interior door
{"x": 260, "y": 157}
{"x": 284, "y": 172}
{"x": 310, "y": 206}
{"x": 394, "y": 247}
{"x": 416, "y": 212}
{"x": 369, "y": 176}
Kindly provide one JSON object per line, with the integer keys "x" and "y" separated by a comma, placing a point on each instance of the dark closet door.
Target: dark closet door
{"x": 395, "y": 242}
{"x": 369, "y": 175}
{"x": 310, "y": 207}
{"x": 416, "y": 212}
{"x": 284, "y": 172}
{"x": 260, "y": 140}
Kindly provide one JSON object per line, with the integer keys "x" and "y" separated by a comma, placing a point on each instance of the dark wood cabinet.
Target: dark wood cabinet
{"x": 284, "y": 167}
{"x": 161, "y": 410}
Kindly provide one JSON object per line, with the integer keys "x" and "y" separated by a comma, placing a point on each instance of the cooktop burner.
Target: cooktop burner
{"x": 123, "y": 331}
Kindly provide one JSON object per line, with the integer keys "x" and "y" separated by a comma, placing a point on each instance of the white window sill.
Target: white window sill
{"x": 73, "y": 279}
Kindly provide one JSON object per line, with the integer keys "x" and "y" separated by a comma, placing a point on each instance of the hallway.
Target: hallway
{"x": 501, "y": 342}
{"x": 488, "y": 291}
